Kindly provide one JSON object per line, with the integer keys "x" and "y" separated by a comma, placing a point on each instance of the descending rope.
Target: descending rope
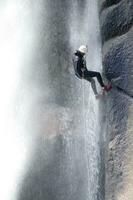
{"x": 83, "y": 103}
{"x": 85, "y": 133}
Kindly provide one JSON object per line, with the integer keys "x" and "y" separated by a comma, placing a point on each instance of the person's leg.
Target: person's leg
{"x": 93, "y": 74}
{"x": 106, "y": 88}
{"x": 88, "y": 75}
{"x": 93, "y": 85}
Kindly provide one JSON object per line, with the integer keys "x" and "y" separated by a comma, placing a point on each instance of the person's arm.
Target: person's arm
{"x": 84, "y": 68}
{"x": 75, "y": 64}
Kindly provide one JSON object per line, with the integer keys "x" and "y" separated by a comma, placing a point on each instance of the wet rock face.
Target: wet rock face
{"x": 117, "y": 36}
{"x": 118, "y": 62}
{"x": 116, "y": 20}
{"x": 104, "y": 3}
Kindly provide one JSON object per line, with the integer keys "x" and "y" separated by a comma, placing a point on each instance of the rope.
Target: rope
{"x": 85, "y": 133}
{"x": 83, "y": 103}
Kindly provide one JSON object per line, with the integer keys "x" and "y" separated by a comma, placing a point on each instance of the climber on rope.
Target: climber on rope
{"x": 82, "y": 72}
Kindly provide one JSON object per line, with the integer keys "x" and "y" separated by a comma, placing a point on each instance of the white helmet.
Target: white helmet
{"x": 83, "y": 49}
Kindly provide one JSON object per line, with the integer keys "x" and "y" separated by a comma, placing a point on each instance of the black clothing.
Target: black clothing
{"x": 81, "y": 70}
{"x": 91, "y": 74}
{"x": 79, "y": 64}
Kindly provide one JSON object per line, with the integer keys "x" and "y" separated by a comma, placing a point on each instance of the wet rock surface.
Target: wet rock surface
{"x": 116, "y": 19}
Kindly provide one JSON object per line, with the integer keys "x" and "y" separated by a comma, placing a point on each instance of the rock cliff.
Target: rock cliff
{"x": 116, "y": 20}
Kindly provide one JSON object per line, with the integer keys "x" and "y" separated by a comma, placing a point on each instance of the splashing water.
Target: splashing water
{"x": 52, "y": 117}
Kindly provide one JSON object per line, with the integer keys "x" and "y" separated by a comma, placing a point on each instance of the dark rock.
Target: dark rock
{"x": 118, "y": 62}
{"x": 116, "y": 20}
{"x": 106, "y": 3}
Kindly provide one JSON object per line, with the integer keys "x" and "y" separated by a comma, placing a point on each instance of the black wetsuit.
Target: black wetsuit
{"x": 81, "y": 70}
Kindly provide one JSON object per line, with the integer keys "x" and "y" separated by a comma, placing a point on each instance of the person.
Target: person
{"x": 82, "y": 72}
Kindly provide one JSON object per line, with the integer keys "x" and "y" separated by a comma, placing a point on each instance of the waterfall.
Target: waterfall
{"x": 56, "y": 114}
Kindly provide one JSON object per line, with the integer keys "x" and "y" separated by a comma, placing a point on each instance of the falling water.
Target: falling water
{"x": 56, "y": 115}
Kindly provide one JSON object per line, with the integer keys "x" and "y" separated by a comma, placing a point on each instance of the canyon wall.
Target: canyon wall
{"x": 116, "y": 19}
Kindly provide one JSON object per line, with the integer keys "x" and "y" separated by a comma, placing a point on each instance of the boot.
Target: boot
{"x": 108, "y": 87}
